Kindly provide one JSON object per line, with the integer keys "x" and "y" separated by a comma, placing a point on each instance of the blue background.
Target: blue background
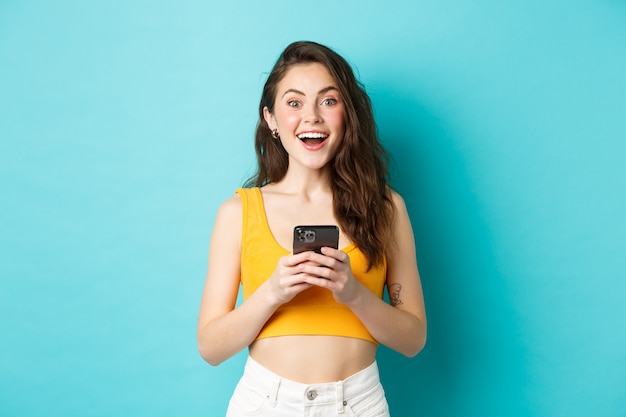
{"x": 124, "y": 124}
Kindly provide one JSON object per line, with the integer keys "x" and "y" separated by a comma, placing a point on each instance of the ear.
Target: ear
{"x": 269, "y": 118}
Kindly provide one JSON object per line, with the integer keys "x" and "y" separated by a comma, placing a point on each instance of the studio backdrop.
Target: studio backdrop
{"x": 125, "y": 124}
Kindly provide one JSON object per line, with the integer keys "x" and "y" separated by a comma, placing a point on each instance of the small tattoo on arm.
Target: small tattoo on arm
{"x": 394, "y": 294}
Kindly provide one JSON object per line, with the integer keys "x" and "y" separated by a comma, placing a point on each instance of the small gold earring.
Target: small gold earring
{"x": 275, "y": 134}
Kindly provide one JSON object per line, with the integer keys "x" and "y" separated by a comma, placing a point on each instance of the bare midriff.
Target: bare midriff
{"x": 314, "y": 359}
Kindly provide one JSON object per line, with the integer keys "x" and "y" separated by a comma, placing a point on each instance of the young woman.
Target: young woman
{"x": 312, "y": 321}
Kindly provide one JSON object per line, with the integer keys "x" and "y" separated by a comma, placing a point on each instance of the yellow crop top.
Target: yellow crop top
{"x": 313, "y": 311}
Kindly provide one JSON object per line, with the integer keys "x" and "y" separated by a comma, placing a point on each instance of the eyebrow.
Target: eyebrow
{"x": 322, "y": 91}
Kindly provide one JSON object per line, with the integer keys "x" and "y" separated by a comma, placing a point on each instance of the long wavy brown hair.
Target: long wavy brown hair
{"x": 359, "y": 172}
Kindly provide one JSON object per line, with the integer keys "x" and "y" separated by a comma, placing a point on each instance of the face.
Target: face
{"x": 309, "y": 115}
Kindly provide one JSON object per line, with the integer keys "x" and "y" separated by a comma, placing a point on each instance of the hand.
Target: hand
{"x": 332, "y": 270}
{"x": 288, "y": 280}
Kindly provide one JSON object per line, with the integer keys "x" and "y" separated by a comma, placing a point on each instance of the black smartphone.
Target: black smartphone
{"x": 313, "y": 238}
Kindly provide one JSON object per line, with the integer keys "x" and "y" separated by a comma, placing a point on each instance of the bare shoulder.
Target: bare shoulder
{"x": 228, "y": 222}
{"x": 399, "y": 204}
{"x": 402, "y": 230}
{"x": 231, "y": 208}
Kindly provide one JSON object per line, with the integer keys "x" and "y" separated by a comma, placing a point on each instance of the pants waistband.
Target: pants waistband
{"x": 275, "y": 387}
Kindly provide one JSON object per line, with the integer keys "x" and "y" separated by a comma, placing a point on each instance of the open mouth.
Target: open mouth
{"x": 313, "y": 138}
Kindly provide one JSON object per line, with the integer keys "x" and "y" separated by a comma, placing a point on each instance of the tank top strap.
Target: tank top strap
{"x": 253, "y": 212}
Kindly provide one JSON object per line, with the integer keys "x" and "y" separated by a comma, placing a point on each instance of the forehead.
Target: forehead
{"x": 313, "y": 76}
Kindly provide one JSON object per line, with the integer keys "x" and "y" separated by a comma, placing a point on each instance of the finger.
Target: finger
{"x": 299, "y": 258}
{"x": 323, "y": 272}
{"x": 294, "y": 277}
{"x": 339, "y": 255}
{"x": 301, "y": 286}
{"x": 319, "y": 282}
{"x": 317, "y": 259}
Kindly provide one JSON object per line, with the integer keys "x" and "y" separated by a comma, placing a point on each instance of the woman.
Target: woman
{"x": 312, "y": 321}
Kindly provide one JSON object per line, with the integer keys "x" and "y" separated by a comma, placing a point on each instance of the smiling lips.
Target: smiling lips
{"x": 313, "y": 140}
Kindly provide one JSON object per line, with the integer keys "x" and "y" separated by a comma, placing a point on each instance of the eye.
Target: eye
{"x": 293, "y": 103}
{"x": 329, "y": 101}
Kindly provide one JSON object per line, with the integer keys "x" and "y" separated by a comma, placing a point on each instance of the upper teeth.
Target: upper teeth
{"x": 312, "y": 135}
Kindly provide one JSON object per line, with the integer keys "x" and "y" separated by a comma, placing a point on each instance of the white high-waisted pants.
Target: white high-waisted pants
{"x": 260, "y": 392}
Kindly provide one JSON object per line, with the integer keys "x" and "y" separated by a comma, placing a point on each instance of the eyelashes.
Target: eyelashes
{"x": 293, "y": 103}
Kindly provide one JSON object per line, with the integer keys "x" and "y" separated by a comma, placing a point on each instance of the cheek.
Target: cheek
{"x": 338, "y": 119}
{"x": 285, "y": 116}
{"x": 286, "y": 119}
{"x": 333, "y": 114}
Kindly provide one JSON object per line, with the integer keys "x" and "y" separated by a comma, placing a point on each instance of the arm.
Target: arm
{"x": 221, "y": 333}
{"x": 400, "y": 325}
{"x": 224, "y": 330}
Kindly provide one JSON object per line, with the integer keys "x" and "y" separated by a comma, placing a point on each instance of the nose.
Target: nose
{"x": 312, "y": 114}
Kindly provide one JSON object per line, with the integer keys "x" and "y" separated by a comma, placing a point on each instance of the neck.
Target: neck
{"x": 308, "y": 183}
